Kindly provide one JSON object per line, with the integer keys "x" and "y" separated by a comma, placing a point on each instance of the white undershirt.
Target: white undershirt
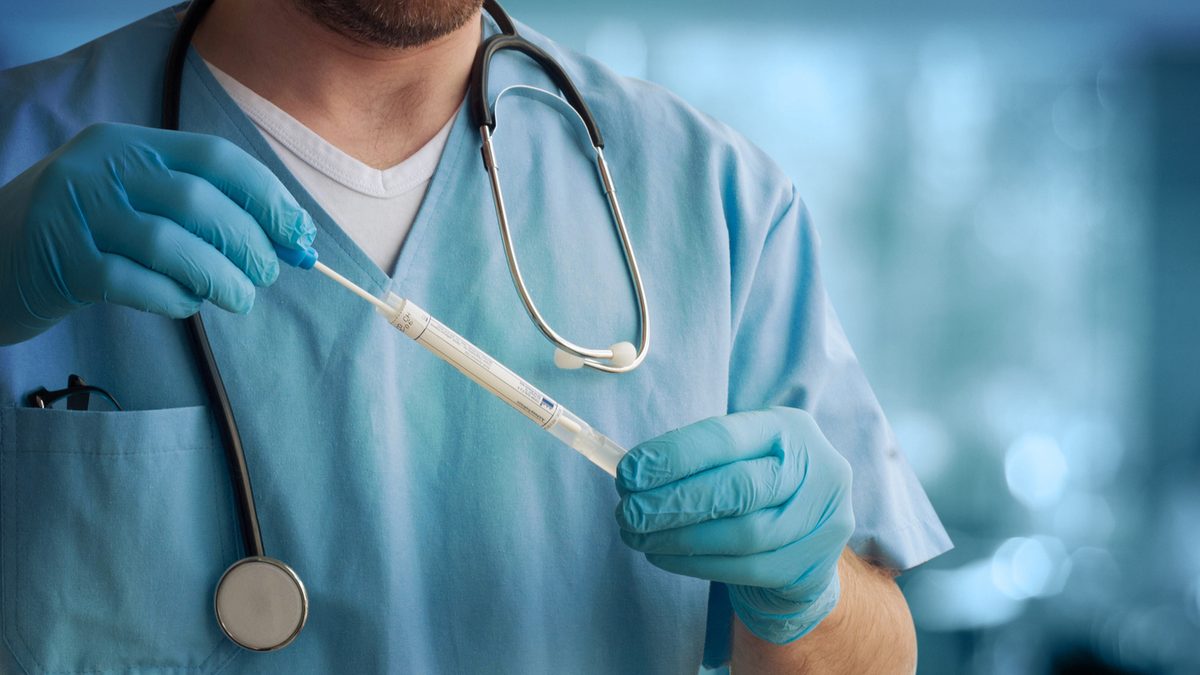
{"x": 376, "y": 207}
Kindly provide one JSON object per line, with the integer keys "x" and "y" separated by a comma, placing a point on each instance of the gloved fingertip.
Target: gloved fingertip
{"x": 631, "y": 515}
{"x": 642, "y": 468}
{"x": 630, "y": 539}
{"x": 182, "y": 310}
{"x": 242, "y": 305}
{"x": 270, "y": 273}
{"x": 620, "y": 485}
{"x": 663, "y": 562}
{"x": 626, "y": 477}
{"x": 305, "y": 230}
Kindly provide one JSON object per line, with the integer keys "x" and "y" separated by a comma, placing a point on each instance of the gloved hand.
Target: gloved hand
{"x": 156, "y": 220}
{"x": 757, "y": 500}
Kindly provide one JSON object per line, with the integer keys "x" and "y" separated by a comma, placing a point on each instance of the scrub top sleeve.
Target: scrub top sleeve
{"x": 789, "y": 349}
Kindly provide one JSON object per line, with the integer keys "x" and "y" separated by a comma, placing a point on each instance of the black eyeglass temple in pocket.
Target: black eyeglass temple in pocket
{"x": 78, "y": 394}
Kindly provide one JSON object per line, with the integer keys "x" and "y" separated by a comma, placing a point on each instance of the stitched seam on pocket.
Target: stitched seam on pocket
{"x": 120, "y": 669}
{"x": 139, "y": 432}
{"x": 177, "y": 451}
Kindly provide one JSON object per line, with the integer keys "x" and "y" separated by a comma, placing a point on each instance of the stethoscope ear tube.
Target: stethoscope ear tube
{"x": 619, "y": 358}
{"x": 231, "y": 439}
{"x": 477, "y": 96}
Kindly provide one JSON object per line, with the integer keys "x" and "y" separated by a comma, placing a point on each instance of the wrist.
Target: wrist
{"x": 773, "y": 615}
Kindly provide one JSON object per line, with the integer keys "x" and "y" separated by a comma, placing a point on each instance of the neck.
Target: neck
{"x": 378, "y": 105}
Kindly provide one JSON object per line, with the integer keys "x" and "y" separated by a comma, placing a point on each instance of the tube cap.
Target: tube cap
{"x": 304, "y": 259}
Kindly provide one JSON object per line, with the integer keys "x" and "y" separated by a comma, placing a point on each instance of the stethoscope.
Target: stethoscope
{"x": 260, "y": 602}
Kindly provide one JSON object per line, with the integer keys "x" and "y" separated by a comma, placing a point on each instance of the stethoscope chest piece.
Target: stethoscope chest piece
{"x": 261, "y": 604}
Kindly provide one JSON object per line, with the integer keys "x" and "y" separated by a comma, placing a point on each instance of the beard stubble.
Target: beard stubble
{"x": 392, "y": 24}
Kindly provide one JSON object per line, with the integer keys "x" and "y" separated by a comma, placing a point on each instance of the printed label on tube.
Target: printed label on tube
{"x": 473, "y": 362}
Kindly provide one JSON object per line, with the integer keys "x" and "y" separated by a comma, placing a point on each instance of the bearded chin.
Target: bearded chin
{"x": 391, "y": 23}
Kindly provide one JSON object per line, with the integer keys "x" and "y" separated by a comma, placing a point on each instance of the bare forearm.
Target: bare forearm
{"x": 870, "y": 631}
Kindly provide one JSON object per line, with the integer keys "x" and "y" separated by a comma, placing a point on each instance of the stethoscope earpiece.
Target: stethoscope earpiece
{"x": 261, "y": 604}
{"x": 567, "y": 361}
{"x": 568, "y": 355}
{"x": 622, "y": 355}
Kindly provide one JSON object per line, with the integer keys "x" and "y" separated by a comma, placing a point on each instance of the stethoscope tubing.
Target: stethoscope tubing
{"x": 483, "y": 118}
{"x": 210, "y": 374}
{"x": 294, "y": 601}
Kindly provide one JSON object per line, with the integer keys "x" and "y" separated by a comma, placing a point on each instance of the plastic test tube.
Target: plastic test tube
{"x": 492, "y": 375}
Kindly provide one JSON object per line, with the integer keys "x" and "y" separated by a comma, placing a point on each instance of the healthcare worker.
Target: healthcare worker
{"x": 761, "y": 514}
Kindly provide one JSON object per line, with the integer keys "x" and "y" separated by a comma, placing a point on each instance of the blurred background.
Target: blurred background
{"x": 1009, "y": 200}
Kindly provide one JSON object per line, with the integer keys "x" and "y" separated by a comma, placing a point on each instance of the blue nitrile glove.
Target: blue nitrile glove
{"x": 757, "y": 500}
{"x": 156, "y": 220}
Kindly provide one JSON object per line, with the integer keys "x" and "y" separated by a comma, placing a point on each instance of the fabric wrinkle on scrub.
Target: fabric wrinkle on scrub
{"x": 487, "y": 372}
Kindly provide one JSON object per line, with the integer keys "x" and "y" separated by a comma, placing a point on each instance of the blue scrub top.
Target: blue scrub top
{"x": 436, "y": 529}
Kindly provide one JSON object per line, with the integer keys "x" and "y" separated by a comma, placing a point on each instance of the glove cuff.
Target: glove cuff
{"x": 780, "y": 627}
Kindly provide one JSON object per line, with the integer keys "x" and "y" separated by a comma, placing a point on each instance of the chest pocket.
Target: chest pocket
{"x": 114, "y": 530}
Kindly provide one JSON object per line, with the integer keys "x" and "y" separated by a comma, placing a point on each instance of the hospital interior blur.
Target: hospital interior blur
{"x": 1008, "y": 196}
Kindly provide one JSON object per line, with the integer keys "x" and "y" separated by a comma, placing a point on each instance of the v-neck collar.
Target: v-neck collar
{"x": 330, "y": 234}
{"x": 303, "y": 145}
